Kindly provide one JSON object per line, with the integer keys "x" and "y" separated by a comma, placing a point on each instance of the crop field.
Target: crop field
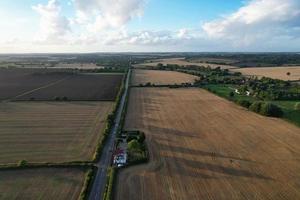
{"x": 161, "y": 77}
{"x": 205, "y": 147}
{"x": 43, "y": 183}
{"x": 80, "y": 87}
{"x": 47, "y": 84}
{"x": 51, "y": 131}
{"x": 78, "y": 66}
{"x": 272, "y": 72}
{"x": 182, "y": 62}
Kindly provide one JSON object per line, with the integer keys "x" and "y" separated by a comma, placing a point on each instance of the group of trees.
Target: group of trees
{"x": 271, "y": 89}
{"x": 136, "y": 147}
{"x": 263, "y": 108}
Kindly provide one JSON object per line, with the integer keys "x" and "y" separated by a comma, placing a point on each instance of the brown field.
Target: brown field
{"x": 161, "y": 77}
{"x": 51, "y": 131}
{"x": 46, "y": 183}
{"x": 204, "y": 147}
{"x": 77, "y": 66}
{"x": 182, "y": 62}
{"x": 272, "y": 72}
{"x": 212, "y": 60}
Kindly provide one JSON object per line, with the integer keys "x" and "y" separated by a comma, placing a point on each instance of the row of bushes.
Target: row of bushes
{"x": 263, "y": 108}
{"x": 111, "y": 176}
{"x": 88, "y": 183}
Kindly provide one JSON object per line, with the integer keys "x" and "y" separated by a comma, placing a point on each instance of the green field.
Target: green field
{"x": 42, "y": 183}
{"x": 290, "y": 113}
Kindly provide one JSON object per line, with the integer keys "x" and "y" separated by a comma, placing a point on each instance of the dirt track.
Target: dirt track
{"x": 158, "y": 77}
{"x": 204, "y": 147}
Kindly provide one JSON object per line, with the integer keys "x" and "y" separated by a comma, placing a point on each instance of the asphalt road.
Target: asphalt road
{"x": 105, "y": 160}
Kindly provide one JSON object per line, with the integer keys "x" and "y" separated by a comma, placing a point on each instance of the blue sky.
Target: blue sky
{"x": 149, "y": 25}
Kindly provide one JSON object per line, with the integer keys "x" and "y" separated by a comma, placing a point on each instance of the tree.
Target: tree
{"x": 141, "y": 137}
{"x": 271, "y": 110}
{"x": 244, "y": 103}
{"x": 133, "y": 145}
{"x": 22, "y": 163}
{"x": 255, "y": 107}
{"x": 297, "y": 106}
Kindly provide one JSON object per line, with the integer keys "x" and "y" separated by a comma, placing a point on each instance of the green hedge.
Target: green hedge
{"x": 88, "y": 183}
{"x": 108, "y": 194}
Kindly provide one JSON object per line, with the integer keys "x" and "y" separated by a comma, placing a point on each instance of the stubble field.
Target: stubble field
{"x": 51, "y": 131}
{"x": 204, "y": 147}
{"x": 43, "y": 183}
{"x": 272, "y": 72}
{"x": 158, "y": 77}
{"x": 47, "y": 84}
{"x": 182, "y": 62}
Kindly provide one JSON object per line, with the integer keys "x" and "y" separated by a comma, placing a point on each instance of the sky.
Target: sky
{"x": 60, "y": 26}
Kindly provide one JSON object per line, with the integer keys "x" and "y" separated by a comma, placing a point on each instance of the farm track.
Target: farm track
{"x": 204, "y": 147}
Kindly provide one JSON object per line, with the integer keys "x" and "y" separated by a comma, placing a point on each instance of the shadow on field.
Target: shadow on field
{"x": 176, "y": 149}
{"x": 155, "y": 130}
{"x": 183, "y": 166}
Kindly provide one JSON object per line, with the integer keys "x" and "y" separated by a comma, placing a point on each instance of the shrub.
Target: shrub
{"x": 56, "y": 98}
{"x": 133, "y": 145}
{"x": 271, "y": 110}
{"x": 244, "y": 103}
{"x": 255, "y": 107}
{"x": 297, "y": 106}
{"x": 22, "y": 163}
{"x": 141, "y": 137}
{"x": 231, "y": 94}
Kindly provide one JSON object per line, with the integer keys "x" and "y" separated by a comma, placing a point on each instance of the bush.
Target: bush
{"x": 270, "y": 110}
{"x": 297, "y": 106}
{"x": 244, "y": 103}
{"x": 133, "y": 145}
{"x": 22, "y": 163}
{"x": 256, "y": 106}
{"x": 231, "y": 94}
{"x": 56, "y": 98}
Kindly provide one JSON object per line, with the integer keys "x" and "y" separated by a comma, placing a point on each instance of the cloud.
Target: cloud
{"x": 257, "y": 21}
{"x": 105, "y": 14}
{"x": 53, "y": 25}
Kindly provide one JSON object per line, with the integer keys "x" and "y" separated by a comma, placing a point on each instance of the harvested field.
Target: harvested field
{"x": 77, "y": 66}
{"x": 80, "y": 87}
{"x": 182, "y": 62}
{"x": 204, "y": 147}
{"x": 272, "y": 72}
{"x": 47, "y": 84}
{"x": 50, "y": 131}
{"x": 14, "y": 82}
{"x": 44, "y": 183}
{"x": 161, "y": 77}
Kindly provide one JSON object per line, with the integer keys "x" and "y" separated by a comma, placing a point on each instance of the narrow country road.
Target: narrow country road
{"x": 105, "y": 159}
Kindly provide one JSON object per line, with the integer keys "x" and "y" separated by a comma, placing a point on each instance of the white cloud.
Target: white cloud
{"x": 257, "y": 21}
{"x": 105, "y": 14}
{"x": 53, "y": 25}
